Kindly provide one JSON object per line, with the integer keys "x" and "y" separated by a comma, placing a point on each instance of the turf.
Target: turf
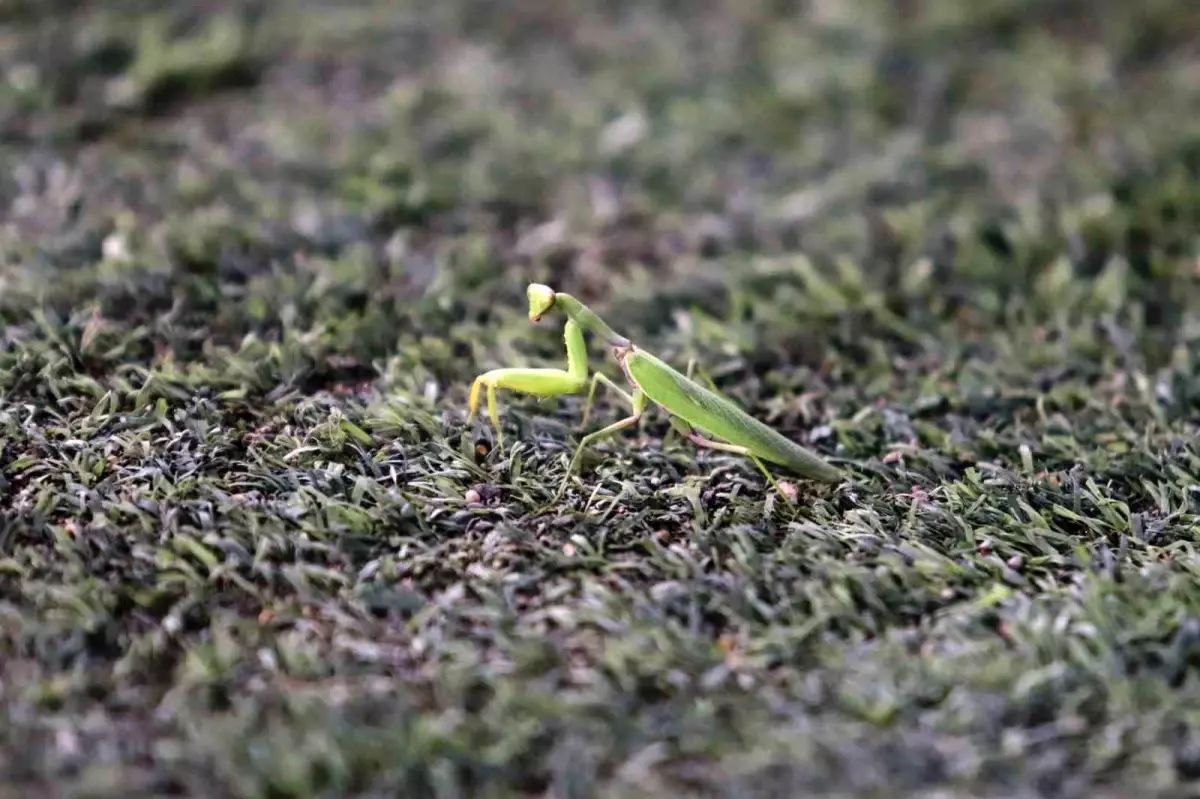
{"x": 252, "y": 255}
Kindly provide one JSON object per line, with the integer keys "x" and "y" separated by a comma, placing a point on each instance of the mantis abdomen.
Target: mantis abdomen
{"x": 701, "y": 408}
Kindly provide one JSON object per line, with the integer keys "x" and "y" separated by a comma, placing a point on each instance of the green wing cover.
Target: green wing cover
{"x": 707, "y": 411}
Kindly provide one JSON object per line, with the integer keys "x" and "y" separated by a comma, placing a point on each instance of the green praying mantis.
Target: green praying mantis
{"x": 690, "y": 406}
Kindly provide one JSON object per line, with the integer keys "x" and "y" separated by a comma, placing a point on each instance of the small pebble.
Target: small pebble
{"x": 472, "y": 497}
{"x": 1016, "y": 562}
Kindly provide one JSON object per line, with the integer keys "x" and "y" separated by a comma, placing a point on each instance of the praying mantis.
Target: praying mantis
{"x": 689, "y": 406}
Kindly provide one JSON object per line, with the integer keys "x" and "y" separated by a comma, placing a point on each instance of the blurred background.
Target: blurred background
{"x": 366, "y": 166}
{"x": 253, "y": 253}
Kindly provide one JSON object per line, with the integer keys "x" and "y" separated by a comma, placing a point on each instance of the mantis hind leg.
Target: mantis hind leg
{"x": 690, "y": 432}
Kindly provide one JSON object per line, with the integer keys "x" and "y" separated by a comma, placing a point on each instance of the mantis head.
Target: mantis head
{"x": 541, "y": 300}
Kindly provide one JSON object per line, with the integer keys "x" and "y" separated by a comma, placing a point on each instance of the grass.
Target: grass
{"x": 252, "y": 257}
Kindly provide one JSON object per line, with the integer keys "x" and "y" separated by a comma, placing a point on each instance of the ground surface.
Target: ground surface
{"x": 253, "y": 257}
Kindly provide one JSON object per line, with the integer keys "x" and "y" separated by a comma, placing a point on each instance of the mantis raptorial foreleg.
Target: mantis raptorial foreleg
{"x": 539, "y": 382}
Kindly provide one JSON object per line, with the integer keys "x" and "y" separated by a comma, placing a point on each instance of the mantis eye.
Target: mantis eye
{"x": 541, "y": 300}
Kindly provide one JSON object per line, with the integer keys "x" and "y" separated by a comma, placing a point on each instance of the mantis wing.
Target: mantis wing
{"x": 701, "y": 408}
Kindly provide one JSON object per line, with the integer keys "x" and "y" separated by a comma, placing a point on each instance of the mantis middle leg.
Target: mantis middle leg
{"x": 599, "y": 377}
{"x": 639, "y": 401}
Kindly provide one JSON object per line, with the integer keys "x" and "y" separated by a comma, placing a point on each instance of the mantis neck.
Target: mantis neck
{"x": 587, "y": 319}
